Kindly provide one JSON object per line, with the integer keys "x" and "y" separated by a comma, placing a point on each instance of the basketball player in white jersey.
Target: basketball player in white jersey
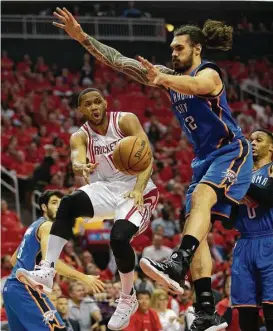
{"x": 109, "y": 194}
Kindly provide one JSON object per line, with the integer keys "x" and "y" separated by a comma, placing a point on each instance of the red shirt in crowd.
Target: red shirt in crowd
{"x": 148, "y": 321}
{"x": 221, "y": 307}
{"x": 9, "y": 218}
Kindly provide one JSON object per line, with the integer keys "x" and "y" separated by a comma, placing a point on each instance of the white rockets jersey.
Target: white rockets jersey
{"x": 100, "y": 150}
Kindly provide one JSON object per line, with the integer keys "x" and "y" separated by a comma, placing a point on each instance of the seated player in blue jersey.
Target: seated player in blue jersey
{"x": 223, "y": 163}
{"x": 252, "y": 268}
{"x": 29, "y": 310}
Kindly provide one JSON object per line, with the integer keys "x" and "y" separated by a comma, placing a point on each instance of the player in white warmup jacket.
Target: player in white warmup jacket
{"x": 109, "y": 194}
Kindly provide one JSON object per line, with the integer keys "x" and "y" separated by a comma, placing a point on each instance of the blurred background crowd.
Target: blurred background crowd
{"x": 38, "y": 115}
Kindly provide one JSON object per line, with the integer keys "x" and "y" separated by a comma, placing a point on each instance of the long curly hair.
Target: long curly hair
{"x": 214, "y": 35}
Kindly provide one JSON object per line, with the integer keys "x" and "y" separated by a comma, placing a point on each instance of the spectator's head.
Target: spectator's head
{"x": 62, "y": 306}
{"x": 262, "y": 144}
{"x": 59, "y": 81}
{"x": 190, "y": 40}
{"x": 87, "y": 258}
{"x": 40, "y": 60}
{"x": 27, "y": 121}
{"x": 116, "y": 105}
{"x": 187, "y": 295}
{"x": 65, "y": 72}
{"x": 53, "y": 298}
{"x": 52, "y": 117}
{"x": 57, "y": 290}
{"x": 92, "y": 269}
{"x": 4, "y": 206}
{"x": 76, "y": 292}
{"x": 109, "y": 289}
{"x": 5, "y": 262}
{"x": 159, "y": 300}
{"x": 26, "y": 58}
{"x": 32, "y": 148}
{"x": 159, "y": 230}
{"x": 57, "y": 180}
{"x": 144, "y": 300}
{"x": 131, "y": 4}
{"x": 93, "y": 105}
{"x": 157, "y": 241}
{"x": 20, "y": 157}
{"x": 69, "y": 247}
{"x": 49, "y": 203}
{"x": 268, "y": 110}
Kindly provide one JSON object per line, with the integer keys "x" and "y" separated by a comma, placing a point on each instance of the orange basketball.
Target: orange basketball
{"x": 132, "y": 155}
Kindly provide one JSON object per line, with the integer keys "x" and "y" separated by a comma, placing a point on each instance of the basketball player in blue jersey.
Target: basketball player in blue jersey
{"x": 252, "y": 269}
{"x": 29, "y": 310}
{"x": 223, "y": 164}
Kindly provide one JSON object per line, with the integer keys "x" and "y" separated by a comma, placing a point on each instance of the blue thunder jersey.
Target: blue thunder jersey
{"x": 29, "y": 251}
{"x": 206, "y": 120}
{"x": 257, "y": 220}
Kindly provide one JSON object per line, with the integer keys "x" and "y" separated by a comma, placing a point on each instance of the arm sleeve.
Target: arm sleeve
{"x": 263, "y": 195}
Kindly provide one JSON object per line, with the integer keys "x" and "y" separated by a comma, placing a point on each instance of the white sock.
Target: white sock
{"x": 54, "y": 248}
{"x": 127, "y": 282}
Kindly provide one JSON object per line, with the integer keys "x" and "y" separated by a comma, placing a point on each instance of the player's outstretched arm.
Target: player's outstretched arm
{"x": 78, "y": 156}
{"x": 100, "y": 51}
{"x": 130, "y": 126}
{"x": 63, "y": 269}
{"x": 206, "y": 82}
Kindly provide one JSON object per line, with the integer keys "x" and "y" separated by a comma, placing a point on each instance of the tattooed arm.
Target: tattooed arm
{"x": 102, "y": 52}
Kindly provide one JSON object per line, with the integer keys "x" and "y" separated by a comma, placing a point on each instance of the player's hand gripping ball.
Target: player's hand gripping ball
{"x": 132, "y": 155}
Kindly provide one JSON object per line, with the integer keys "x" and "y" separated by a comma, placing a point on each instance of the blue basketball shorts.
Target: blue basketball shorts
{"x": 28, "y": 310}
{"x": 252, "y": 271}
{"x": 228, "y": 170}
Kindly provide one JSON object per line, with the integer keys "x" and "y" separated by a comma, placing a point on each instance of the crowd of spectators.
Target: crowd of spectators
{"x": 38, "y": 116}
{"x": 104, "y": 10}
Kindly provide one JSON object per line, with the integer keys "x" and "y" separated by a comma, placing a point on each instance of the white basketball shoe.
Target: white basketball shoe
{"x": 127, "y": 306}
{"x": 41, "y": 279}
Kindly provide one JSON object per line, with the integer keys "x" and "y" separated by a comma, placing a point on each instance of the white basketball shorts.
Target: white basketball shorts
{"x": 109, "y": 203}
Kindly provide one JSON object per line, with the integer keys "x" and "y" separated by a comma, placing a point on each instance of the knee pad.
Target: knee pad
{"x": 121, "y": 234}
{"x": 81, "y": 204}
{"x": 75, "y": 205}
{"x": 71, "y": 206}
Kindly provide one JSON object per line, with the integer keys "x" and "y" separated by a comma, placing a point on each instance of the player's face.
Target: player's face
{"x": 93, "y": 107}
{"x": 261, "y": 145}
{"x": 183, "y": 53}
{"x": 52, "y": 207}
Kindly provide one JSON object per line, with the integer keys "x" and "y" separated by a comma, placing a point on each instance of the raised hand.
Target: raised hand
{"x": 84, "y": 170}
{"x": 69, "y": 24}
{"x": 93, "y": 282}
{"x": 137, "y": 196}
{"x": 153, "y": 74}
